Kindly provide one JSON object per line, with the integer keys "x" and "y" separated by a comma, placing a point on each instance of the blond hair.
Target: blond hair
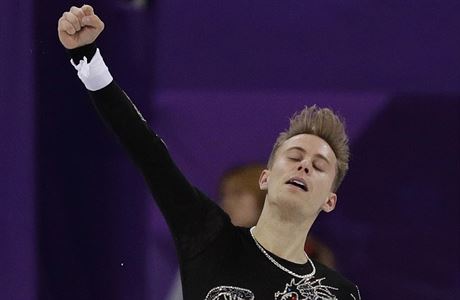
{"x": 325, "y": 124}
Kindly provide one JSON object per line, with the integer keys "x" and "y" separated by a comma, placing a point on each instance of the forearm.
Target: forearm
{"x": 184, "y": 207}
{"x": 186, "y": 210}
{"x": 116, "y": 109}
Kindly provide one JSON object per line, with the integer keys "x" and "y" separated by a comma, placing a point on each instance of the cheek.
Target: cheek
{"x": 327, "y": 183}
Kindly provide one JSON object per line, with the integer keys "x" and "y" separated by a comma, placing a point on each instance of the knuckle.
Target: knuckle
{"x": 77, "y": 11}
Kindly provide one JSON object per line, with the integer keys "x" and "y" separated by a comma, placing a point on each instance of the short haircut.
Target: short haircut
{"x": 325, "y": 124}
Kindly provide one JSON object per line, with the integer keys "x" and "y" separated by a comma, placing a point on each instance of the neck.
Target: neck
{"x": 282, "y": 237}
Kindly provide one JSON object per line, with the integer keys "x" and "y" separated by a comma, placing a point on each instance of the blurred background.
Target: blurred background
{"x": 218, "y": 80}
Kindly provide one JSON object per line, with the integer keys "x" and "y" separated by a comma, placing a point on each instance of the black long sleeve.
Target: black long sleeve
{"x": 193, "y": 219}
{"x": 217, "y": 259}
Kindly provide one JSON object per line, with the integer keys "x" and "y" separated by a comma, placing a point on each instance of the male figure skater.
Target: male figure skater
{"x": 217, "y": 259}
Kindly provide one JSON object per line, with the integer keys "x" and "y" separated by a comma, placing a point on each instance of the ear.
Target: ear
{"x": 263, "y": 180}
{"x": 330, "y": 203}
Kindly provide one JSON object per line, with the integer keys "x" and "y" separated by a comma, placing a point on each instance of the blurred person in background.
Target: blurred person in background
{"x": 240, "y": 194}
{"x": 217, "y": 259}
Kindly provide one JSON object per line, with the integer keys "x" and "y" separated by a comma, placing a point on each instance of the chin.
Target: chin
{"x": 292, "y": 207}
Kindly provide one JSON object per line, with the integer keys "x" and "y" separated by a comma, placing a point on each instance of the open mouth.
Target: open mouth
{"x": 297, "y": 182}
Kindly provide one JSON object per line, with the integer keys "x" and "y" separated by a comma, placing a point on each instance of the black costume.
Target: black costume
{"x": 217, "y": 259}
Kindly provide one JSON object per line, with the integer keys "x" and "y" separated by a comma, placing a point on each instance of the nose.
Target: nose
{"x": 305, "y": 167}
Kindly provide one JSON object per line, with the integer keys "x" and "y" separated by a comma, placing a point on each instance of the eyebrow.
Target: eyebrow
{"x": 305, "y": 151}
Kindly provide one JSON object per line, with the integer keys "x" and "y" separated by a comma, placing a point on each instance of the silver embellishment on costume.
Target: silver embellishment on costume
{"x": 135, "y": 107}
{"x": 359, "y": 294}
{"x": 229, "y": 293}
{"x": 306, "y": 289}
{"x": 279, "y": 265}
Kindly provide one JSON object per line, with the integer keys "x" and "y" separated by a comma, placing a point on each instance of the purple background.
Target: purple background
{"x": 218, "y": 80}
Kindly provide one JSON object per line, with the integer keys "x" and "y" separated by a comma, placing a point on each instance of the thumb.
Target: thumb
{"x": 87, "y": 10}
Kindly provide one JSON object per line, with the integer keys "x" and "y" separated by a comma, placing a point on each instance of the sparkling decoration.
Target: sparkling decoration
{"x": 279, "y": 265}
{"x": 230, "y": 293}
{"x": 306, "y": 289}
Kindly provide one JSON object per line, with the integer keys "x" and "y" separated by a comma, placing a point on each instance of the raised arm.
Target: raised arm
{"x": 185, "y": 208}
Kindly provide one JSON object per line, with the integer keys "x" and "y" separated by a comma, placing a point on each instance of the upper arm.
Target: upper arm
{"x": 191, "y": 216}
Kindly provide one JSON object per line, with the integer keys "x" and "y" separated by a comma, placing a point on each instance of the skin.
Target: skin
{"x": 289, "y": 212}
{"x": 79, "y": 26}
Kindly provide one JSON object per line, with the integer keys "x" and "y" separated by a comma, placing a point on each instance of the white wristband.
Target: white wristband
{"x": 95, "y": 75}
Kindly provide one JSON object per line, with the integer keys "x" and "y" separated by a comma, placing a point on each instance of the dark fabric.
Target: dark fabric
{"x": 216, "y": 258}
{"x": 192, "y": 218}
{"x": 77, "y": 54}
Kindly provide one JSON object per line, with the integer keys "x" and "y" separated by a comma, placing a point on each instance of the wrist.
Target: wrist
{"x": 93, "y": 72}
{"x": 77, "y": 54}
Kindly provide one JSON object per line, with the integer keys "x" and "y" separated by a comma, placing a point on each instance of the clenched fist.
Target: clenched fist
{"x": 79, "y": 26}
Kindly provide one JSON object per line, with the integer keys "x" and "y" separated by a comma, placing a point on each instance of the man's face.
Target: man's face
{"x": 300, "y": 179}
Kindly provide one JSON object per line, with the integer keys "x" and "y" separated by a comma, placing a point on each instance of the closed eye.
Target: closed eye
{"x": 294, "y": 158}
{"x": 318, "y": 167}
